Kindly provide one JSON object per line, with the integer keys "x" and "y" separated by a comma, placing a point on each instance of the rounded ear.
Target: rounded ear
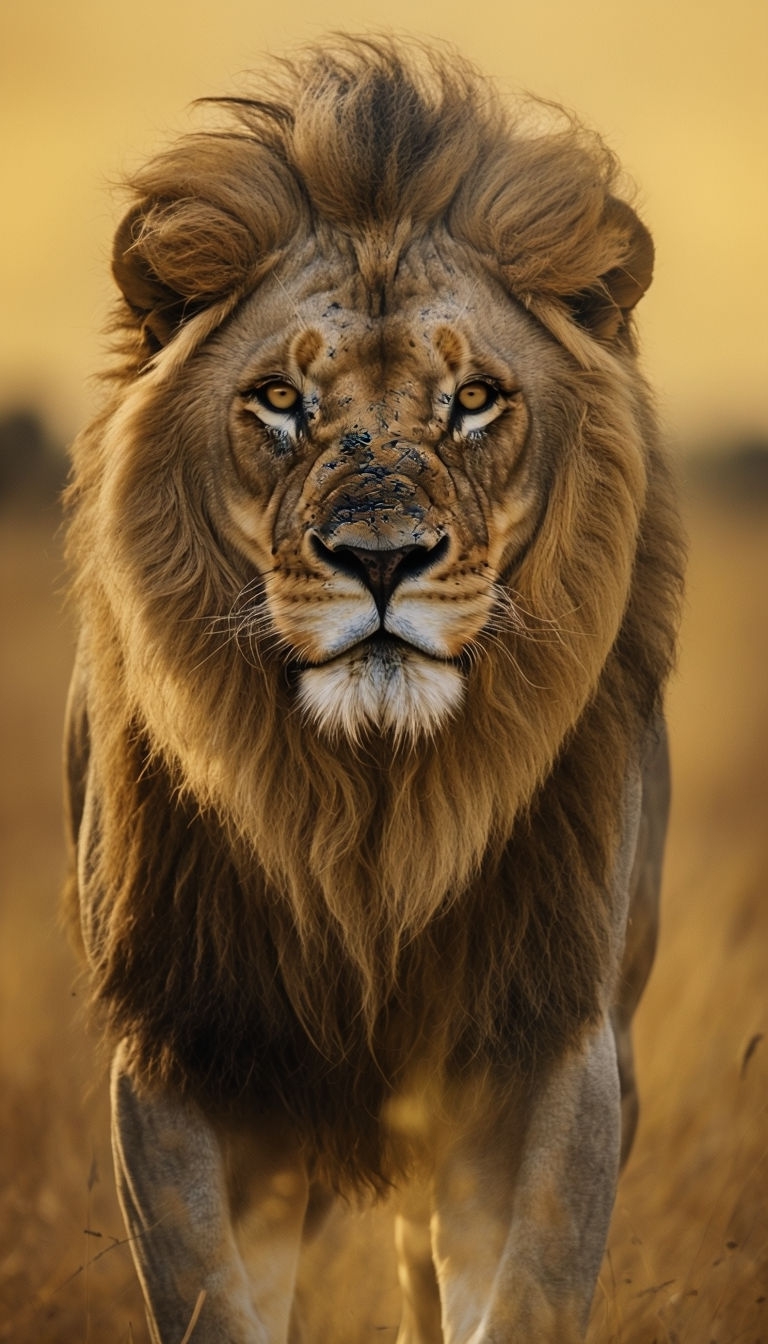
{"x": 151, "y": 302}
{"x": 172, "y": 258}
{"x": 604, "y": 307}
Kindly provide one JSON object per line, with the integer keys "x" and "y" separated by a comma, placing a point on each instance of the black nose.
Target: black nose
{"x": 381, "y": 568}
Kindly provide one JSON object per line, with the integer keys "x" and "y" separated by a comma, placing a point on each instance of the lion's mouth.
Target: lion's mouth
{"x": 383, "y": 648}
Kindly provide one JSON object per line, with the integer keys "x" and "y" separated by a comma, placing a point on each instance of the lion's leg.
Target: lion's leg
{"x": 642, "y": 922}
{"x": 420, "y": 1320}
{"x": 522, "y": 1211}
{"x": 214, "y": 1218}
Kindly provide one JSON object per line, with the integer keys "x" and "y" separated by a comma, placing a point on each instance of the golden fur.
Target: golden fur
{"x": 275, "y": 915}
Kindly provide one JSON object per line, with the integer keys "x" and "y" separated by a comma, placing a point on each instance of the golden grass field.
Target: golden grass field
{"x": 688, "y": 1253}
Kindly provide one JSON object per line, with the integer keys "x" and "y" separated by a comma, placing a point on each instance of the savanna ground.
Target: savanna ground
{"x": 688, "y": 1253}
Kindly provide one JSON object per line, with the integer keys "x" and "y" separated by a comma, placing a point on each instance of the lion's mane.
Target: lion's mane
{"x": 270, "y": 917}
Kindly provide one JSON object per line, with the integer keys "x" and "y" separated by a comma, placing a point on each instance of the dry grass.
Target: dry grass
{"x": 688, "y": 1255}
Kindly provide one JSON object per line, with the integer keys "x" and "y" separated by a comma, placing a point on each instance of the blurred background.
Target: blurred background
{"x": 679, "y": 91}
{"x": 87, "y": 92}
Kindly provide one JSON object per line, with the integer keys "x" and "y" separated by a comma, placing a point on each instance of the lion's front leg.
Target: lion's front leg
{"x": 521, "y": 1211}
{"x": 421, "y": 1315}
{"x": 214, "y": 1216}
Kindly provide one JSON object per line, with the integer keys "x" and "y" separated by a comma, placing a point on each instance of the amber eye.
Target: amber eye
{"x": 277, "y": 404}
{"x": 476, "y": 396}
{"x": 277, "y": 396}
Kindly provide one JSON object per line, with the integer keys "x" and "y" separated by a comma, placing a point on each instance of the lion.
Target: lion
{"x": 378, "y": 566}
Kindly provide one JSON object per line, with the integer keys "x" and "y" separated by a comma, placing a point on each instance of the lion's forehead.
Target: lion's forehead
{"x": 431, "y": 325}
{"x": 328, "y": 340}
{"x": 381, "y": 368}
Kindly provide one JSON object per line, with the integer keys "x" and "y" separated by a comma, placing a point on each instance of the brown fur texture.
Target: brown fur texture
{"x": 275, "y": 919}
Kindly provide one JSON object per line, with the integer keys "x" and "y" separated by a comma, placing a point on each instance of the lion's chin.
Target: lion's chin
{"x": 381, "y": 686}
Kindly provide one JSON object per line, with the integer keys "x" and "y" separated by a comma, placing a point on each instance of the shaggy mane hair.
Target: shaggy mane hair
{"x": 269, "y": 918}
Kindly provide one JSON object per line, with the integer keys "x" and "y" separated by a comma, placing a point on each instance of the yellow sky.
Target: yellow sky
{"x": 88, "y": 90}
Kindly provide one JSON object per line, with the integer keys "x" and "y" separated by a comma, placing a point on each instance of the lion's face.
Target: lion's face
{"x": 380, "y": 476}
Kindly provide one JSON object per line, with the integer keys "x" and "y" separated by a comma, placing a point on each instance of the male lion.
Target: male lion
{"x": 378, "y": 570}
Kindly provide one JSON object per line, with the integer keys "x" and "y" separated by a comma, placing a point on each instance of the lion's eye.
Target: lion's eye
{"x": 277, "y": 396}
{"x": 475, "y": 405}
{"x": 276, "y": 402}
{"x": 476, "y": 396}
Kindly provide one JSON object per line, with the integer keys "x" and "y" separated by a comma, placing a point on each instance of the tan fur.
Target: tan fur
{"x": 274, "y": 917}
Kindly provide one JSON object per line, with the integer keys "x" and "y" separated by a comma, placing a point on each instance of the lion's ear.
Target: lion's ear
{"x": 604, "y": 307}
{"x": 172, "y": 258}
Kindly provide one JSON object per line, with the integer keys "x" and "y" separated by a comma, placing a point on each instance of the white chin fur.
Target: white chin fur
{"x": 382, "y": 688}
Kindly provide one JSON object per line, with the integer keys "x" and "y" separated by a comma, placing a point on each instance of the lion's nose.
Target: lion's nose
{"x": 381, "y": 568}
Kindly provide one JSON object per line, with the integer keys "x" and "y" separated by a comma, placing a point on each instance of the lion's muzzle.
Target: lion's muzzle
{"x": 388, "y": 665}
{"x": 379, "y": 591}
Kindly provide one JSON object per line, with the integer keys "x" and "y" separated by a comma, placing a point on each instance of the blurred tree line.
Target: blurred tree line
{"x": 33, "y": 465}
